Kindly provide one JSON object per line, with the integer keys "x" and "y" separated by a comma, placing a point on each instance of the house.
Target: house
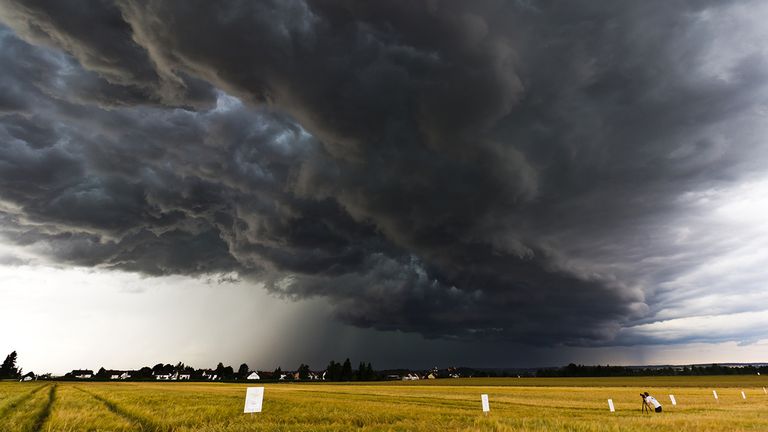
{"x": 82, "y": 374}
{"x": 29, "y": 376}
{"x": 209, "y": 375}
{"x": 185, "y": 376}
{"x": 253, "y": 376}
{"x": 266, "y": 375}
{"x": 451, "y": 372}
{"x": 118, "y": 375}
{"x": 162, "y": 376}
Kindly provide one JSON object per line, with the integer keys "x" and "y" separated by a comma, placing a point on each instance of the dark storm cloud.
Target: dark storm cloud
{"x": 484, "y": 170}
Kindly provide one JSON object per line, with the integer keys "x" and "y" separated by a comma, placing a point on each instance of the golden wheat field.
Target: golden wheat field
{"x": 523, "y": 404}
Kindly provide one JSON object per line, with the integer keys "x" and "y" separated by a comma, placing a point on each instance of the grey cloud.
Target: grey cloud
{"x": 101, "y": 40}
{"x": 485, "y": 170}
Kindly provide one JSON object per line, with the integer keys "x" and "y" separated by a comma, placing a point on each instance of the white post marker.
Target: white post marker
{"x": 672, "y": 398}
{"x": 765, "y": 391}
{"x": 254, "y": 396}
{"x": 743, "y": 396}
{"x": 610, "y": 405}
{"x": 486, "y": 405}
{"x": 714, "y": 392}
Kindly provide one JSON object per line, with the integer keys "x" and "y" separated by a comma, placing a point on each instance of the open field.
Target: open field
{"x": 528, "y": 404}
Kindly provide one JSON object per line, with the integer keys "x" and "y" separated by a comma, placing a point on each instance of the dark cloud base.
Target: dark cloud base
{"x": 465, "y": 170}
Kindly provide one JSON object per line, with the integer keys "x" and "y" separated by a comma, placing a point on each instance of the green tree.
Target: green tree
{"x": 361, "y": 372}
{"x": 242, "y": 372}
{"x": 346, "y": 371}
{"x": 333, "y": 371}
{"x": 8, "y": 369}
{"x": 303, "y": 372}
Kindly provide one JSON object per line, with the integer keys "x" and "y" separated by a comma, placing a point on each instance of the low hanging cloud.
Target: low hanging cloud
{"x": 519, "y": 171}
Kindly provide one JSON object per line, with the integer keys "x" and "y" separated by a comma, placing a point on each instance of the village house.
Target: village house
{"x": 118, "y": 375}
{"x": 253, "y": 376}
{"x": 266, "y": 375}
{"x": 82, "y": 374}
{"x": 209, "y": 375}
{"x": 163, "y": 376}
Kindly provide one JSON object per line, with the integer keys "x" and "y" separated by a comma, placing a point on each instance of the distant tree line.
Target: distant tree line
{"x": 343, "y": 372}
{"x": 334, "y": 372}
{"x": 574, "y": 370}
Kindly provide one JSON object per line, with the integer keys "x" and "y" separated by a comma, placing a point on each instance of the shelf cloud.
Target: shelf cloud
{"x": 546, "y": 173}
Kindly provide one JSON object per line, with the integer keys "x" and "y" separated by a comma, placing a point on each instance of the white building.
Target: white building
{"x": 253, "y": 376}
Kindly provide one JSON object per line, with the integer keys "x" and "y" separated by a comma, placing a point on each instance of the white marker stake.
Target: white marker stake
{"x": 765, "y": 391}
{"x": 254, "y": 396}
{"x": 486, "y": 405}
{"x": 743, "y": 396}
{"x": 610, "y": 405}
{"x": 714, "y": 392}
{"x": 672, "y": 398}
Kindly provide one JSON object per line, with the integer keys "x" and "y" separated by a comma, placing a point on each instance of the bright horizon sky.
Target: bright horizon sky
{"x": 81, "y": 318}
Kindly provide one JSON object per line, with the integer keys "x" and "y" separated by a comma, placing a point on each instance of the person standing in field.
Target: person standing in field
{"x": 651, "y": 401}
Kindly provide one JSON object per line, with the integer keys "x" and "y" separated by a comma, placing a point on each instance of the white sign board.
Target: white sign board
{"x": 672, "y": 398}
{"x": 610, "y": 405}
{"x": 714, "y": 392}
{"x": 743, "y": 396}
{"x": 484, "y": 400}
{"x": 254, "y": 396}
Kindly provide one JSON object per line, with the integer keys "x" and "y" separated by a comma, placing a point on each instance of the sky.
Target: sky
{"x": 491, "y": 183}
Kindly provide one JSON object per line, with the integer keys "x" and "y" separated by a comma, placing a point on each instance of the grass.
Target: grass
{"x": 529, "y": 404}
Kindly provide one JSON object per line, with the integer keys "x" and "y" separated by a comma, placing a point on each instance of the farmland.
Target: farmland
{"x": 527, "y": 404}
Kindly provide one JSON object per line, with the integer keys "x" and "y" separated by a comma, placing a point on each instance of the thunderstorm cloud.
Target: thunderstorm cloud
{"x": 578, "y": 173}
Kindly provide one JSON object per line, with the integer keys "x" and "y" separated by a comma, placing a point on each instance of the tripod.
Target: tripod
{"x": 645, "y": 408}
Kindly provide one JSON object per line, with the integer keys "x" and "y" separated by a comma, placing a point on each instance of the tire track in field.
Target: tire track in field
{"x": 145, "y": 424}
{"x": 10, "y": 406}
{"x": 46, "y": 411}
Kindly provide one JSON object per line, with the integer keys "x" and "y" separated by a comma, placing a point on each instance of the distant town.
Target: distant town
{"x": 344, "y": 372}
